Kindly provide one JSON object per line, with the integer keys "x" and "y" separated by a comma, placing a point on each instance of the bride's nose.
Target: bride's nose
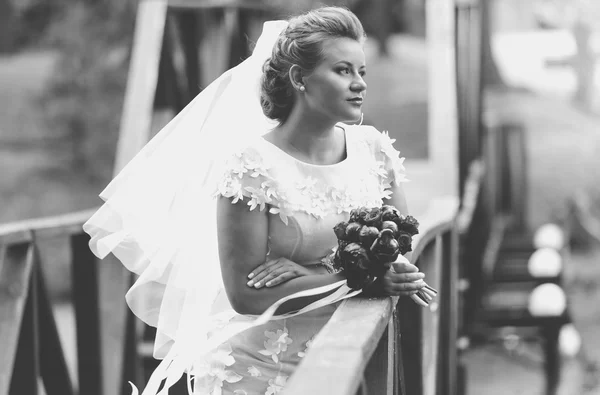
{"x": 358, "y": 84}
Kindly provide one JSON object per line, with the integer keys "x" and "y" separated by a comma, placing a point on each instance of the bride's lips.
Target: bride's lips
{"x": 356, "y": 101}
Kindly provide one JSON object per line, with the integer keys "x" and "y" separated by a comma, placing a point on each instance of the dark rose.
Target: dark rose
{"x": 367, "y": 235}
{"x": 389, "y": 213}
{"x": 355, "y": 255}
{"x": 385, "y": 248}
{"x": 355, "y": 263}
{"x": 340, "y": 230}
{"x": 337, "y": 260}
{"x": 404, "y": 242}
{"x": 409, "y": 225}
{"x": 359, "y": 215}
{"x": 373, "y": 217}
{"x": 352, "y": 231}
{"x": 390, "y": 225}
{"x": 357, "y": 278}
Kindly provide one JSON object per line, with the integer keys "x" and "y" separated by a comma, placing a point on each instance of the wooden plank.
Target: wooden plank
{"x": 141, "y": 81}
{"x": 15, "y": 272}
{"x": 377, "y": 372}
{"x": 85, "y": 297}
{"x": 67, "y": 224}
{"x": 449, "y": 316}
{"x": 114, "y": 280}
{"x": 411, "y": 339}
{"x": 430, "y": 263}
{"x": 338, "y": 357}
{"x": 53, "y": 365}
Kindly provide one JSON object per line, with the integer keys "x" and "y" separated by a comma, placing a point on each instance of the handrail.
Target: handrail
{"x": 340, "y": 353}
{"x": 23, "y": 231}
{"x": 244, "y": 4}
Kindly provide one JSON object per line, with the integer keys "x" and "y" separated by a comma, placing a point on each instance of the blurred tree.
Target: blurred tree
{"x": 582, "y": 17}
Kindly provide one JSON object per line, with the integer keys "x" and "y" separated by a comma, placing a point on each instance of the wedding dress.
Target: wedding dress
{"x": 304, "y": 202}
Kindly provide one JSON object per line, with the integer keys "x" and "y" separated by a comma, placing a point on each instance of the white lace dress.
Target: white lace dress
{"x": 305, "y": 201}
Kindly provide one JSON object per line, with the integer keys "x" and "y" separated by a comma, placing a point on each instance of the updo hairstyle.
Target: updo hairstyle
{"x": 301, "y": 44}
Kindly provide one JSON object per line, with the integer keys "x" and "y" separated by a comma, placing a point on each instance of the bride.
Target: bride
{"x": 232, "y": 254}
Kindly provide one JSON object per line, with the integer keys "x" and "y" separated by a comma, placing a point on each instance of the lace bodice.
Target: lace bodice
{"x": 304, "y": 200}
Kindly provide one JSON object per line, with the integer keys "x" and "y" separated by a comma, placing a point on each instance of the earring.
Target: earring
{"x": 301, "y": 88}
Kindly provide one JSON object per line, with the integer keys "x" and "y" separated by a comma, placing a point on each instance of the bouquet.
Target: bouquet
{"x": 370, "y": 241}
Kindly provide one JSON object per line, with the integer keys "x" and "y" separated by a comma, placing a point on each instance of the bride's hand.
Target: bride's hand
{"x": 274, "y": 272}
{"x": 402, "y": 279}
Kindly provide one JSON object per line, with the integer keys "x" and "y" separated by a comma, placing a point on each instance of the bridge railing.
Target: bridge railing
{"x": 391, "y": 345}
{"x": 32, "y": 350}
{"x": 379, "y": 345}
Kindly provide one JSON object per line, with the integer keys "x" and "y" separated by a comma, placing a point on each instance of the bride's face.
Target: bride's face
{"x": 336, "y": 87}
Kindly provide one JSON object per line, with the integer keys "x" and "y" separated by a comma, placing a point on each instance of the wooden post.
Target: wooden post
{"x": 87, "y": 311}
{"x": 410, "y": 338}
{"x": 26, "y": 368}
{"x": 431, "y": 316}
{"x": 469, "y": 84}
{"x": 379, "y": 372}
{"x": 15, "y": 283}
{"x": 53, "y": 365}
{"x": 442, "y": 99}
{"x": 449, "y": 315}
{"x": 141, "y": 82}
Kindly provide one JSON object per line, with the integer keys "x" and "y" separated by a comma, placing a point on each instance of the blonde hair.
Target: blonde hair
{"x": 301, "y": 44}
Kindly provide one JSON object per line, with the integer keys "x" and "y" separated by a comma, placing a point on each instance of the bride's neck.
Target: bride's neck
{"x": 308, "y": 134}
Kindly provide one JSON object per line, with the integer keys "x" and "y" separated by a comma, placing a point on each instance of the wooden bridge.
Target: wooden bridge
{"x": 395, "y": 347}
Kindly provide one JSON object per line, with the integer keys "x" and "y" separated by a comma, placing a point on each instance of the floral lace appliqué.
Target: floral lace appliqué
{"x": 276, "y": 343}
{"x": 368, "y": 183}
{"x": 393, "y": 155}
{"x": 276, "y": 385}
{"x": 210, "y": 374}
{"x": 254, "y": 372}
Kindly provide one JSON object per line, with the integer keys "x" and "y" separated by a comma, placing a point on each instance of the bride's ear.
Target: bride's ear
{"x": 297, "y": 78}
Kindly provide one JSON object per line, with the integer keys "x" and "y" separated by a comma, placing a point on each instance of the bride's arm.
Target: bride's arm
{"x": 243, "y": 237}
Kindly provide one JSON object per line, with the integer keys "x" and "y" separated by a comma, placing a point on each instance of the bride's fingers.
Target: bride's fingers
{"x": 263, "y": 270}
{"x": 262, "y": 267}
{"x": 280, "y": 279}
{"x": 269, "y": 275}
{"x": 407, "y": 277}
{"x": 396, "y": 288}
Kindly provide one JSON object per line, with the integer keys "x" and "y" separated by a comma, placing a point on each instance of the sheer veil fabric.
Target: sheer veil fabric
{"x": 159, "y": 220}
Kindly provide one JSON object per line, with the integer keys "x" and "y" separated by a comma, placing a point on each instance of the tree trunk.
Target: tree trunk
{"x": 8, "y": 26}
